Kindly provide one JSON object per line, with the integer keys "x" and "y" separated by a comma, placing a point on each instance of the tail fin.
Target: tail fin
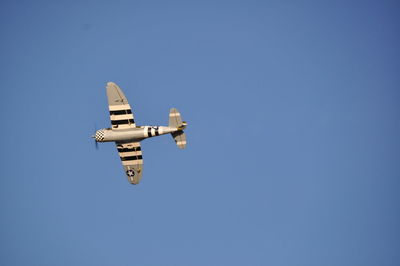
{"x": 175, "y": 121}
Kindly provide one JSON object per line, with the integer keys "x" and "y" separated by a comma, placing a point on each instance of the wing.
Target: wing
{"x": 132, "y": 161}
{"x": 120, "y": 111}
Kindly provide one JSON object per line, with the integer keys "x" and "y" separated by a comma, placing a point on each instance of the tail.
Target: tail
{"x": 175, "y": 121}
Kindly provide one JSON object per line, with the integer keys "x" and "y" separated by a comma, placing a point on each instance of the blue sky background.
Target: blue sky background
{"x": 293, "y": 136}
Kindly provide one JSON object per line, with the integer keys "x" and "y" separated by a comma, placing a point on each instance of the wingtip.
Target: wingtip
{"x": 110, "y": 83}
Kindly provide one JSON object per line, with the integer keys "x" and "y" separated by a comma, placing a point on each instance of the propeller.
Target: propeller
{"x": 93, "y": 136}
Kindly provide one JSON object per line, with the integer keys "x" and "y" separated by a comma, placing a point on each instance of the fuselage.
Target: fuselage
{"x": 132, "y": 134}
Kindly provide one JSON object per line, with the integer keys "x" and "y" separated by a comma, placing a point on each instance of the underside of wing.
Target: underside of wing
{"x": 132, "y": 161}
{"x": 120, "y": 111}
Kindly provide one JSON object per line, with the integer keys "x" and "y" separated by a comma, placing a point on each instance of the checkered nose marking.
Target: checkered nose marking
{"x": 99, "y": 136}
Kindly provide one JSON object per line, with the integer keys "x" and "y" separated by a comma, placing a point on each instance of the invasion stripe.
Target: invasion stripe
{"x": 121, "y": 117}
{"x": 119, "y": 107}
{"x": 149, "y": 131}
{"x": 131, "y": 158}
{"x": 121, "y": 112}
{"x": 133, "y": 144}
{"x": 157, "y": 132}
{"x": 129, "y": 149}
{"x": 121, "y": 122}
{"x": 137, "y": 162}
{"x": 130, "y": 153}
{"x": 174, "y": 114}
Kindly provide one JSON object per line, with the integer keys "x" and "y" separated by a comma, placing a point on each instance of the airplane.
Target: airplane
{"x": 127, "y": 135}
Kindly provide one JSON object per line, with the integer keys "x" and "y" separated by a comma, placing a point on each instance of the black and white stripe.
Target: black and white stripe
{"x": 121, "y": 112}
{"x": 132, "y": 158}
{"x": 122, "y": 122}
{"x": 152, "y": 131}
{"x": 121, "y": 116}
{"x": 130, "y": 153}
{"x": 129, "y": 149}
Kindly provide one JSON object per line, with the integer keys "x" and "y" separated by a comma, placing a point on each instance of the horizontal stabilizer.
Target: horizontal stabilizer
{"x": 180, "y": 139}
{"x": 175, "y": 122}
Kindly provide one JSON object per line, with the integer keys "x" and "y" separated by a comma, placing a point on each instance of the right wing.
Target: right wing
{"x": 120, "y": 111}
{"x": 132, "y": 161}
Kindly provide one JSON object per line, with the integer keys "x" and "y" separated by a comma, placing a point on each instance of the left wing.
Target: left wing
{"x": 132, "y": 161}
{"x": 120, "y": 111}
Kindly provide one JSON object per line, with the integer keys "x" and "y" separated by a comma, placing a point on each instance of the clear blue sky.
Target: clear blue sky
{"x": 293, "y": 137}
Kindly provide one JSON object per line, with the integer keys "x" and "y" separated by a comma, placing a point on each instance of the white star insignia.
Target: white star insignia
{"x": 130, "y": 172}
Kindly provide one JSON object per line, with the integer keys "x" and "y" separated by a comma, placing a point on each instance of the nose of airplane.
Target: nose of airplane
{"x": 99, "y": 135}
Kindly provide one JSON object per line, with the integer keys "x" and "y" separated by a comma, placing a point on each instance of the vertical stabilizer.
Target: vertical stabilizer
{"x": 175, "y": 119}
